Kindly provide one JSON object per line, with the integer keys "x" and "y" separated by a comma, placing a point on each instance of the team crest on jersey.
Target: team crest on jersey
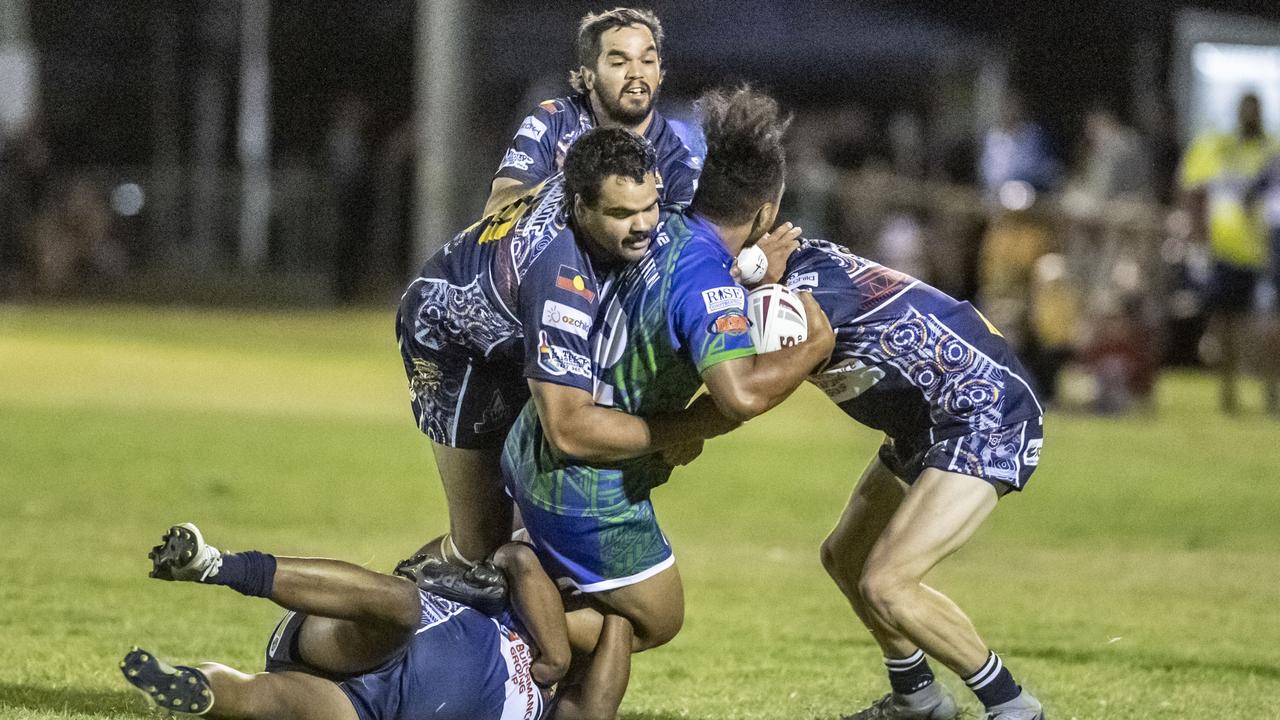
{"x": 730, "y": 297}
{"x": 516, "y": 159}
{"x": 730, "y": 324}
{"x": 532, "y": 128}
{"x": 572, "y": 281}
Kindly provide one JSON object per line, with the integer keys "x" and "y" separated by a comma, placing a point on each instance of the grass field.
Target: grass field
{"x": 1139, "y": 576}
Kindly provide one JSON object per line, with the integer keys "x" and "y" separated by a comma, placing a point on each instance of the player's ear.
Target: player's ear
{"x": 588, "y": 77}
{"x": 761, "y": 222}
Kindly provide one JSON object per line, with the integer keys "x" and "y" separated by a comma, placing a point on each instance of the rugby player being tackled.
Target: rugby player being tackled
{"x": 673, "y": 321}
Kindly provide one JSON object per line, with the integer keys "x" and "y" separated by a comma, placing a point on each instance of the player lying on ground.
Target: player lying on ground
{"x": 616, "y": 85}
{"x": 963, "y": 428}
{"x": 361, "y": 645}
{"x": 510, "y": 302}
{"x": 673, "y": 321}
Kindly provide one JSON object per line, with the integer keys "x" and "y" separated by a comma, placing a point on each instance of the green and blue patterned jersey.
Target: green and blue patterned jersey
{"x": 663, "y": 321}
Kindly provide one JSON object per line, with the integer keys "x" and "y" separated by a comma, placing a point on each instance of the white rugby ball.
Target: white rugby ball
{"x": 752, "y": 264}
{"x": 775, "y": 318}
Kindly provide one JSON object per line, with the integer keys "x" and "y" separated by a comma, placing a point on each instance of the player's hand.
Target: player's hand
{"x": 820, "y": 330}
{"x": 682, "y": 454}
{"x": 778, "y": 246}
{"x": 708, "y": 418}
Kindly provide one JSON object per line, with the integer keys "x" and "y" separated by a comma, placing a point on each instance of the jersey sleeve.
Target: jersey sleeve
{"x": 557, "y": 305}
{"x": 707, "y": 312}
{"x": 531, "y": 157}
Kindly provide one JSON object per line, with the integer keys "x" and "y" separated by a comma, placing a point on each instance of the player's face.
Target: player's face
{"x": 627, "y": 74}
{"x": 620, "y": 226}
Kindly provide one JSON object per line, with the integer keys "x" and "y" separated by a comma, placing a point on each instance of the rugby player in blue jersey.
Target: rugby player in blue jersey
{"x": 616, "y": 84}
{"x": 510, "y": 302}
{"x": 962, "y": 429}
{"x": 672, "y": 321}
{"x": 361, "y": 645}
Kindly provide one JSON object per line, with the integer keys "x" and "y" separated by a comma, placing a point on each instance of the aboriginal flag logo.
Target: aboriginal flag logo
{"x": 572, "y": 280}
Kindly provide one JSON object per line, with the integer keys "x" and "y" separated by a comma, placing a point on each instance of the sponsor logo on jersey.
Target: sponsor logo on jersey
{"x": 572, "y": 280}
{"x": 560, "y": 361}
{"x": 516, "y": 159}
{"x": 730, "y": 297}
{"x": 566, "y": 318}
{"x": 532, "y": 128}
{"x": 730, "y": 324}
{"x": 809, "y": 279}
{"x": 1031, "y": 457}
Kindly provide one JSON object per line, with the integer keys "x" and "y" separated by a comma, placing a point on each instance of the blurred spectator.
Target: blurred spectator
{"x": 24, "y": 179}
{"x": 1055, "y": 324}
{"x": 1116, "y": 162}
{"x": 348, "y": 159}
{"x": 1014, "y": 241}
{"x": 1122, "y": 359}
{"x": 73, "y": 249}
{"x": 1016, "y": 149}
{"x": 1217, "y": 172}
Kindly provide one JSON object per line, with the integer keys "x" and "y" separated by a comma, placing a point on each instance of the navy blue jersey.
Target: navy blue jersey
{"x": 539, "y": 147}
{"x": 909, "y": 360}
{"x": 459, "y": 665}
{"x": 515, "y": 285}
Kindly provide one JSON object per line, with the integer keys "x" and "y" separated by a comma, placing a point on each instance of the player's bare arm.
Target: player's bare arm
{"x": 746, "y": 387}
{"x": 579, "y": 428}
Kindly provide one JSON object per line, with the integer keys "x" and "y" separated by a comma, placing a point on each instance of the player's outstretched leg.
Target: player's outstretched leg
{"x": 914, "y": 695}
{"x": 221, "y": 693}
{"x": 176, "y": 689}
{"x": 354, "y": 618}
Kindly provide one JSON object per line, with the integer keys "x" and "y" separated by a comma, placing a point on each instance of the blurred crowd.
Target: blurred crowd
{"x": 1101, "y": 261}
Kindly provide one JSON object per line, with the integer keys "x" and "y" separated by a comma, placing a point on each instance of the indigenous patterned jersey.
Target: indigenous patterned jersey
{"x": 539, "y": 147}
{"x": 514, "y": 290}
{"x": 667, "y": 319}
{"x": 909, "y": 360}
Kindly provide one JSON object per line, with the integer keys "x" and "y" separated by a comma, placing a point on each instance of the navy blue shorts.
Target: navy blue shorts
{"x": 1004, "y": 456}
{"x": 1231, "y": 289}
{"x": 460, "y": 398}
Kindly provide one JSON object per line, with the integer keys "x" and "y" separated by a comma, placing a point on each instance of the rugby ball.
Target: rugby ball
{"x": 775, "y": 318}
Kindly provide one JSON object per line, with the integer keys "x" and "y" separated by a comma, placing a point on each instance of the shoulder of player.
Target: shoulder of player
{"x": 668, "y": 144}
{"x": 815, "y": 261}
{"x": 554, "y": 112}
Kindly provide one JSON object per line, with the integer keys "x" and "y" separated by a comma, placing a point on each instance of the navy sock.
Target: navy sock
{"x": 249, "y": 573}
{"x": 909, "y": 674}
{"x": 993, "y": 683}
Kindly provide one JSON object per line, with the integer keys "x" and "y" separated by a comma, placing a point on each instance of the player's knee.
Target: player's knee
{"x": 840, "y": 562}
{"x": 657, "y": 631}
{"x": 886, "y": 592}
{"x": 516, "y": 559}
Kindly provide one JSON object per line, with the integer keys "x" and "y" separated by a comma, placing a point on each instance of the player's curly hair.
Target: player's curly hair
{"x": 745, "y": 163}
{"x": 602, "y": 152}
{"x": 594, "y": 25}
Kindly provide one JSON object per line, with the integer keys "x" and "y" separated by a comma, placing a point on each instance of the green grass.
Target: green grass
{"x": 1137, "y": 578}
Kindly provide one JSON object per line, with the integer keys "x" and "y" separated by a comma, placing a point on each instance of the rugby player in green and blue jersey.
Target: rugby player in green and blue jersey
{"x": 672, "y": 321}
